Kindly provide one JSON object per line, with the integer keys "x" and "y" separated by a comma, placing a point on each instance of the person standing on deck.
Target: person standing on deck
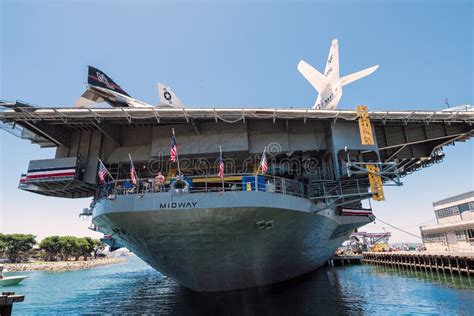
{"x": 159, "y": 182}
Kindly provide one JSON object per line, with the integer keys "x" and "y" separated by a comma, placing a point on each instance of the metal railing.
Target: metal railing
{"x": 330, "y": 193}
{"x": 341, "y": 192}
{"x": 203, "y": 184}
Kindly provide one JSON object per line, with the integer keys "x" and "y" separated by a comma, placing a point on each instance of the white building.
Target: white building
{"x": 455, "y": 228}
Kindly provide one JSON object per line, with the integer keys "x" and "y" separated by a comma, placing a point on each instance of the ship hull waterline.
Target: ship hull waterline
{"x": 212, "y": 242}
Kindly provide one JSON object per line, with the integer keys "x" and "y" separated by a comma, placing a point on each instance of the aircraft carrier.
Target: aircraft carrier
{"x": 250, "y": 229}
{"x": 251, "y": 196}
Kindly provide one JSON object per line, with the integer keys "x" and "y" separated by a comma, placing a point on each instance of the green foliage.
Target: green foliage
{"x": 97, "y": 246}
{"x": 84, "y": 247}
{"x": 16, "y": 246}
{"x": 69, "y": 246}
{"x": 50, "y": 245}
{"x": 2, "y": 245}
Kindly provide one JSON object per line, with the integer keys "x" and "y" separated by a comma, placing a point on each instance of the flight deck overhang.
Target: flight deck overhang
{"x": 228, "y": 115}
{"x": 53, "y": 126}
{"x": 408, "y": 140}
{"x": 397, "y": 132}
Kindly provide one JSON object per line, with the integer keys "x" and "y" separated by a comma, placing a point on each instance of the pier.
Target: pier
{"x": 460, "y": 263}
{"x": 6, "y": 302}
{"x": 337, "y": 260}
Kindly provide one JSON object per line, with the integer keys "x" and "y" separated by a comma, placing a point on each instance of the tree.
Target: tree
{"x": 3, "y": 245}
{"x": 68, "y": 246}
{"x": 51, "y": 246}
{"x": 91, "y": 246}
{"x": 16, "y": 246}
{"x": 98, "y": 246}
{"x": 84, "y": 247}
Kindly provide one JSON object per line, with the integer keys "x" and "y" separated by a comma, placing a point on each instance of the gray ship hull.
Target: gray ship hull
{"x": 224, "y": 241}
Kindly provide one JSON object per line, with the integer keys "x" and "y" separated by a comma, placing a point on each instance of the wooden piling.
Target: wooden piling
{"x": 458, "y": 266}
{"x": 7, "y": 299}
{"x": 439, "y": 262}
{"x": 450, "y": 265}
{"x": 467, "y": 269}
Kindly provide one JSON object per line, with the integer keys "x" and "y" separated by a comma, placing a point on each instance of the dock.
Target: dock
{"x": 460, "y": 263}
{"x": 7, "y": 299}
{"x": 343, "y": 260}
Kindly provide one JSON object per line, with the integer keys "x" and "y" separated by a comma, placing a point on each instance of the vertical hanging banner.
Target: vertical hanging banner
{"x": 367, "y": 138}
{"x": 376, "y": 184}
{"x": 365, "y": 128}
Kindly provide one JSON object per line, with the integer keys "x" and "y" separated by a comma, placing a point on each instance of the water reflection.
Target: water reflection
{"x": 135, "y": 288}
{"x": 315, "y": 293}
{"x": 453, "y": 280}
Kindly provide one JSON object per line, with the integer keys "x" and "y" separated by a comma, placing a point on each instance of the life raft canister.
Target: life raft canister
{"x": 179, "y": 185}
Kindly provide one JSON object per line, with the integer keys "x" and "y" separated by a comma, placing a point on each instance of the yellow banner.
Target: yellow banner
{"x": 365, "y": 128}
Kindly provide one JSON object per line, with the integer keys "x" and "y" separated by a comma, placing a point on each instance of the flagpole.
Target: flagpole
{"x": 177, "y": 152}
{"x": 258, "y": 169}
{"x": 221, "y": 161}
{"x": 106, "y": 169}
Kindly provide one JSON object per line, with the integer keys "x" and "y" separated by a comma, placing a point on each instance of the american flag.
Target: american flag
{"x": 102, "y": 172}
{"x": 263, "y": 163}
{"x": 133, "y": 174}
{"x": 221, "y": 167}
{"x": 174, "y": 149}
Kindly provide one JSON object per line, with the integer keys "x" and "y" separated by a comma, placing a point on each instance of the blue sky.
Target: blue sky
{"x": 236, "y": 54}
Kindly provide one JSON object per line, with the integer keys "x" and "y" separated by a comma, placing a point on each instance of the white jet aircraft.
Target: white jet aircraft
{"x": 460, "y": 108}
{"x": 329, "y": 85}
{"x": 101, "y": 88}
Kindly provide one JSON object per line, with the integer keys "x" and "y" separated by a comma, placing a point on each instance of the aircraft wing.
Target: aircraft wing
{"x": 88, "y": 98}
{"x": 459, "y": 108}
{"x": 314, "y": 77}
{"x": 357, "y": 75}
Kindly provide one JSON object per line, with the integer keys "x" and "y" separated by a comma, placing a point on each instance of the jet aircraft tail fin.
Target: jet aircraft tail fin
{"x": 168, "y": 98}
{"x": 332, "y": 64}
{"x": 101, "y": 88}
{"x": 329, "y": 85}
{"x": 98, "y": 78}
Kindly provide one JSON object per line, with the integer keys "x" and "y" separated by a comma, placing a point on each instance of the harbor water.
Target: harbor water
{"x": 135, "y": 288}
